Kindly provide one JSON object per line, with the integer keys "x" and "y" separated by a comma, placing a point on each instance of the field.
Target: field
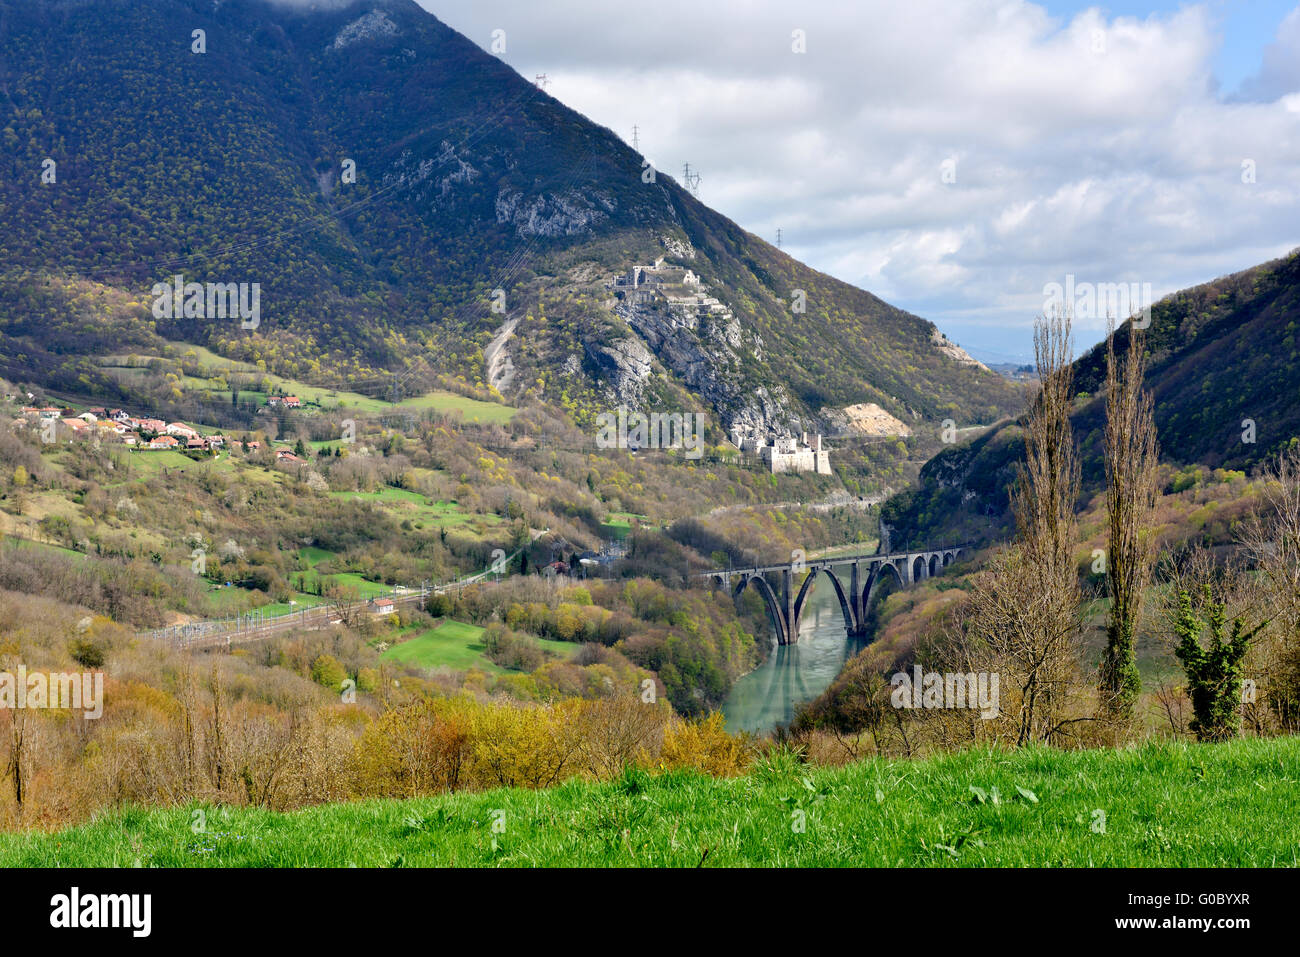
{"x": 451, "y": 644}
{"x": 404, "y": 504}
{"x": 456, "y": 645}
{"x": 213, "y": 367}
{"x": 1168, "y": 805}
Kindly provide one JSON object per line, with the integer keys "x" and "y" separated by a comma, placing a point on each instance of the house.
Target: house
{"x": 384, "y": 606}
{"x": 163, "y": 442}
{"x": 288, "y": 401}
{"x": 252, "y": 445}
{"x": 197, "y": 443}
{"x": 216, "y": 441}
{"x": 152, "y": 425}
{"x": 88, "y": 417}
{"x": 119, "y": 415}
{"x": 181, "y": 430}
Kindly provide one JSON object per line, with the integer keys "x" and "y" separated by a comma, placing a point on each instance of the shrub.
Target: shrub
{"x": 703, "y": 746}
{"x": 87, "y": 653}
{"x": 328, "y": 672}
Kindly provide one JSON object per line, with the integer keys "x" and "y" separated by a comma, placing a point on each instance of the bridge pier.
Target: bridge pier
{"x": 789, "y": 608}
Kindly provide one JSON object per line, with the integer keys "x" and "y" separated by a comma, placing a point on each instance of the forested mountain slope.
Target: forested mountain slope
{"x": 130, "y": 158}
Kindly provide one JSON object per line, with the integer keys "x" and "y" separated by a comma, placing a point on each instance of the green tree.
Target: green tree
{"x": 1213, "y": 673}
{"x": 328, "y": 672}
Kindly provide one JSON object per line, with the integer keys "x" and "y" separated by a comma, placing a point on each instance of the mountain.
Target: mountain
{"x": 380, "y": 178}
{"x": 1224, "y": 375}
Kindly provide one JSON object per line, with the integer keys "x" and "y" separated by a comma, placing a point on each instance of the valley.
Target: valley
{"x": 429, "y": 480}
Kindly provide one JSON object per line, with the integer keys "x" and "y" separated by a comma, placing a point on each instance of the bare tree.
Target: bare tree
{"x": 1132, "y": 455}
{"x": 346, "y": 602}
{"x": 18, "y": 745}
{"x": 1028, "y": 609}
{"x": 1270, "y": 539}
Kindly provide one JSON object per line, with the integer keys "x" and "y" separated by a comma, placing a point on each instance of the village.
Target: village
{"x": 144, "y": 434}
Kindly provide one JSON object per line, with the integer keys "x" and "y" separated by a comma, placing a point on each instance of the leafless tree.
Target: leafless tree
{"x": 1027, "y": 608}
{"x": 1132, "y": 455}
{"x": 1270, "y": 539}
{"x": 346, "y": 602}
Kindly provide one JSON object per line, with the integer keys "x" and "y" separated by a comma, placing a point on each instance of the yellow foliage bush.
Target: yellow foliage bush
{"x": 703, "y": 746}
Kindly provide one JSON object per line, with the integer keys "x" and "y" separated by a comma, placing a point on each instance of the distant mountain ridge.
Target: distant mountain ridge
{"x": 1224, "y": 374}
{"x": 236, "y": 164}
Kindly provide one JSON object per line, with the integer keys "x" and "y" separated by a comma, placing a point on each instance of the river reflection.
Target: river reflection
{"x": 794, "y": 674}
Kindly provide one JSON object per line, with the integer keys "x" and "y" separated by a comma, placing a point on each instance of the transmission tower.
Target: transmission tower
{"x": 691, "y": 180}
{"x": 636, "y": 140}
{"x": 778, "y": 237}
{"x": 541, "y": 80}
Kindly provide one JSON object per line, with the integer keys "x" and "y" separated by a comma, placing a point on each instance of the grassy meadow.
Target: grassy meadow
{"x": 1161, "y": 804}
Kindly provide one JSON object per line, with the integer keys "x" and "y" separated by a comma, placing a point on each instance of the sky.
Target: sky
{"x": 954, "y": 157}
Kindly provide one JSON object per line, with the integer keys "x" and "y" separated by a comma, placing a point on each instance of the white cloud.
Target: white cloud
{"x": 1094, "y": 146}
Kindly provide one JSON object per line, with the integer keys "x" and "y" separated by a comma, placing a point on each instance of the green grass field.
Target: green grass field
{"x": 213, "y": 366}
{"x": 15, "y": 541}
{"x": 456, "y": 645}
{"x": 404, "y": 504}
{"x": 470, "y": 410}
{"x": 1168, "y": 805}
{"x": 451, "y": 644}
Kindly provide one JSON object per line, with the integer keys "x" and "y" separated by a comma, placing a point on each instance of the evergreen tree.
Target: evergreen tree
{"x": 1213, "y": 673}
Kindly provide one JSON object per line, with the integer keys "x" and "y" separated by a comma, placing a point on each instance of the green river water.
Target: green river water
{"x": 793, "y": 674}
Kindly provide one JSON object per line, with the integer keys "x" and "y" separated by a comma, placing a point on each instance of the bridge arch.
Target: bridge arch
{"x": 769, "y": 599}
{"x": 850, "y": 626}
{"x": 948, "y": 558}
{"x": 878, "y": 572}
{"x": 934, "y": 565}
{"x": 918, "y": 569}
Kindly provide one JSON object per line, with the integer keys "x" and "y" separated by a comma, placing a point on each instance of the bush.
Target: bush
{"x": 703, "y": 746}
{"x": 86, "y": 653}
{"x": 328, "y": 672}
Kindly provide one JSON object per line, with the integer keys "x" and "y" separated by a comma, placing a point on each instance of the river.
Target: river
{"x": 793, "y": 674}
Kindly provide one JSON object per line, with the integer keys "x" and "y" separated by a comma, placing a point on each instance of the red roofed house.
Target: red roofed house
{"x": 181, "y": 430}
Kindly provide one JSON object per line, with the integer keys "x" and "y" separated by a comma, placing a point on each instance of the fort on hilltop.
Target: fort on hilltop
{"x": 785, "y": 453}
